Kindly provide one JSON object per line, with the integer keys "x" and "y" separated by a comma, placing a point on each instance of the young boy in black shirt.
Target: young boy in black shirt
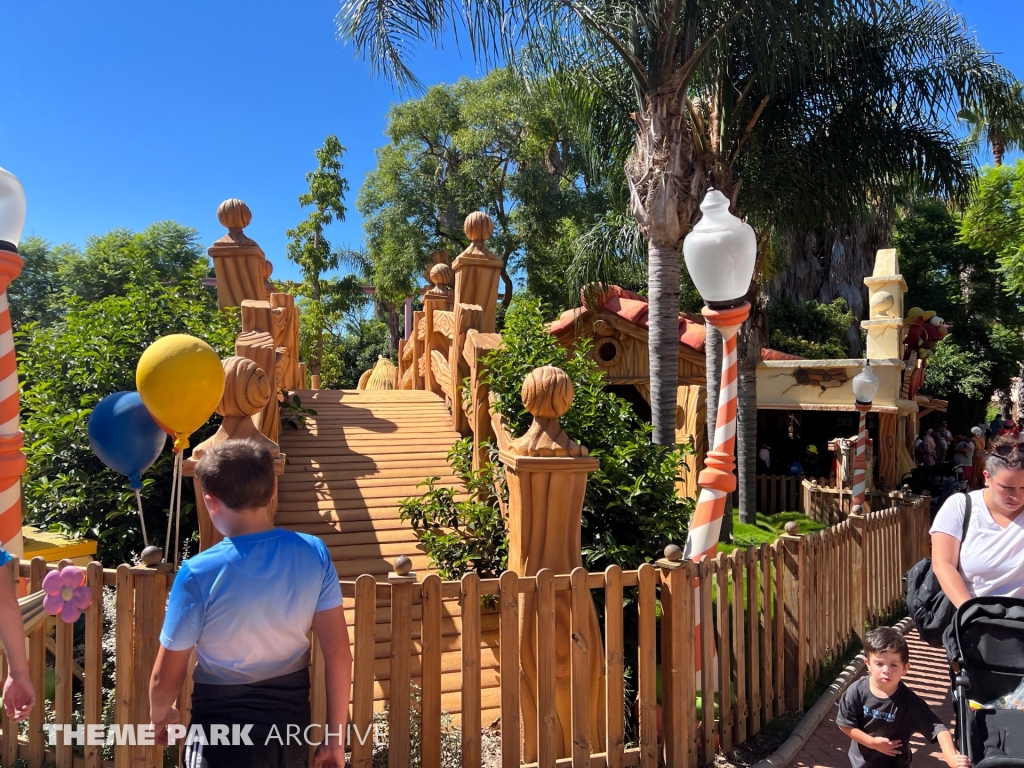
{"x": 880, "y": 713}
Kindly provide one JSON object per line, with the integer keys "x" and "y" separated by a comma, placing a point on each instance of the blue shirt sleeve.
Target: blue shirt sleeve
{"x": 330, "y": 587}
{"x": 186, "y": 612}
{"x": 5, "y": 556}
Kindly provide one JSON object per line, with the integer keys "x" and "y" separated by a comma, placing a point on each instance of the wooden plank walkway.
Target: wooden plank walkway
{"x": 928, "y": 676}
{"x": 346, "y": 474}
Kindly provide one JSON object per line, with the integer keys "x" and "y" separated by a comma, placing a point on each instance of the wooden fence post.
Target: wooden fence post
{"x": 678, "y": 659}
{"x": 794, "y": 553}
{"x": 858, "y": 570}
{"x": 403, "y": 583}
{"x": 149, "y": 595}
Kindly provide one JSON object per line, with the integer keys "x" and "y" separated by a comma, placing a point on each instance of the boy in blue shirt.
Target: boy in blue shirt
{"x": 19, "y": 696}
{"x": 246, "y": 606}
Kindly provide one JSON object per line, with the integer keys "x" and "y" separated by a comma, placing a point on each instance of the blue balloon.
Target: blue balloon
{"x": 125, "y": 436}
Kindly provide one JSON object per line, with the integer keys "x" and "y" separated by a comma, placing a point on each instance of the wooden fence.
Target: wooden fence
{"x": 782, "y": 493}
{"x": 773, "y": 614}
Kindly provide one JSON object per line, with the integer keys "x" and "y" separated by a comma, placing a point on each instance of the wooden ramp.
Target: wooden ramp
{"x": 348, "y": 471}
{"x": 346, "y": 474}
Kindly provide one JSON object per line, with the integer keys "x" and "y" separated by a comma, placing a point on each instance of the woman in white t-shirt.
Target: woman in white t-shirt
{"x": 990, "y": 559}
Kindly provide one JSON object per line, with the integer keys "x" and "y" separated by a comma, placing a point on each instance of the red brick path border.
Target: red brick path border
{"x": 928, "y": 676}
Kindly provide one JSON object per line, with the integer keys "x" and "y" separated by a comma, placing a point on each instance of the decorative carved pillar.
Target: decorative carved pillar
{"x": 246, "y": 393}
{"x": 437, "y": 298}
{"x": 260, "y": 348}
{"x": 12, "y": 458}
{"x": 285, "y": 319}
{"x": 477, "y": 270}
{"x": 547, "y": 479}
{"x": 242, "y": 268}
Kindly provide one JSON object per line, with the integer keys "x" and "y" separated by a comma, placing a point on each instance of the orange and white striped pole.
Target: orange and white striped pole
{"x": 12, "y": 458}
{"x": 717, "y": 480}
{"x": 859, "y": 459}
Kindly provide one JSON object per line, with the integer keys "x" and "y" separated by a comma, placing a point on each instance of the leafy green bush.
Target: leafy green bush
{"x": 467, "y": 535}
{"x": 631, "y": 509}
{"x": 65, "y": 370}
{"x": 813, "y": 330}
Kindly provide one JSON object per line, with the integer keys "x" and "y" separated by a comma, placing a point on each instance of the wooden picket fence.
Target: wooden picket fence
{"x": 773, "y": 614}
{"x": 782, "y": 493}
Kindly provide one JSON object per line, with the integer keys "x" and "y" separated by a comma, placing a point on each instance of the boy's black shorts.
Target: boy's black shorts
{"x": 275, "y": 708}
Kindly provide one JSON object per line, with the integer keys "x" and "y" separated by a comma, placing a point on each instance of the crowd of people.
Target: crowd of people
{"x": 937, "y": 445}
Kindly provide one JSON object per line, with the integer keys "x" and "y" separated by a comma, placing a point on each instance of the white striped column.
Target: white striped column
{"x": 12, "y": 458}
{"x": 717, "y": 480}
{"x": 860, "y": 461}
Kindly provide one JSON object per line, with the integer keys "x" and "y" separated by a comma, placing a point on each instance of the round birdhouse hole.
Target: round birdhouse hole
{"x": 607, "y": 351}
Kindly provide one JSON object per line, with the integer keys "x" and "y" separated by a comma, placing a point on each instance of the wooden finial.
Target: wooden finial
{"x": 478, "y": 227}
{"x": 234, "y": 215}
{"x": 856, "y": 509}
{"x": 673, "y": 553}
{"x": 151, "y": 555}
{"x": 403, "y": 565}
{"x": 547, "y": 392}
{"x": 792, "y": 528}
{"x": 441, "y": 276}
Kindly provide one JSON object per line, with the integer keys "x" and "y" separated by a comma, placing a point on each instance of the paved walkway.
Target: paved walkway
{"x": 928, "y": 676}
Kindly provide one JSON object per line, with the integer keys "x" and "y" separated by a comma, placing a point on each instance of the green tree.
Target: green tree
{"x": 163, "y": 253}
{"x": 308, "y": 247}
{"x": 811, "y": 330}
{"x": 65, "y": 369}
{"x": 966, "y": 287}
{"x": 994, "y": 222}
{"x": 998, "y": 121}
{"x": 33, "y": 296}
{"x": 487, "y": 144}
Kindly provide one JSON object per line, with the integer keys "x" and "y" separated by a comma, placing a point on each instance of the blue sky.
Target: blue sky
{"x": 119, "y": 113}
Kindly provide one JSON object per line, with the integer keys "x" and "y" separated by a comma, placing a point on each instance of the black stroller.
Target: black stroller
{"x": 986, "y": 647}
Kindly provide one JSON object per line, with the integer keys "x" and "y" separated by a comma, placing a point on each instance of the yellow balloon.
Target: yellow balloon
{"x": 180, "y": 380}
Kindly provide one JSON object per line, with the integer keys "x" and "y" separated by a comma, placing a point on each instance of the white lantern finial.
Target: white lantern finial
{"x": 865, "y": 385}
{"x": 720, "y": 253}
{"x": 12, "y": 210}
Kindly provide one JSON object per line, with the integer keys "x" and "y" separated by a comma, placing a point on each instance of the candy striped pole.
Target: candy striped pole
{"x": 12, "y": 458}
{"x": 860, "y": 460}
{"x": 717, "y": 480}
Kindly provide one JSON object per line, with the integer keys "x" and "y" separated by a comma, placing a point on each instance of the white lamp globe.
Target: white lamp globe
{"x": 12, "y": 210}
{"x": 865, "y": 386}
{"x": 720, "y": 253}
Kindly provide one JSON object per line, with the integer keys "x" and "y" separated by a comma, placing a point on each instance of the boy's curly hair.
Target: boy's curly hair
{"x": 886, "y": 640}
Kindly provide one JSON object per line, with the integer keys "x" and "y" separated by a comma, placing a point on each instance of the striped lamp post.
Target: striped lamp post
{"x": 720, "y": 253}
{"x": 12, "y": 459}
{"x": 865, "y": 386}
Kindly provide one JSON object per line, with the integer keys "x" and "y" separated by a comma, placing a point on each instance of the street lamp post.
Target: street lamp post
{"x": 720, "y": 253}
{"x": 865, "y": 386}
{"x": 12, "y": 458}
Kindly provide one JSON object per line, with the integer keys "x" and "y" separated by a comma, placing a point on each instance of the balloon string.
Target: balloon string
{"x": 142, "y": 519}
{"x": 177, "y": 514}
{"x": 170, "y": 508}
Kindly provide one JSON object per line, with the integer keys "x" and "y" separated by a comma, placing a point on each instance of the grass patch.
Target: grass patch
{"x": 767, "y": 529}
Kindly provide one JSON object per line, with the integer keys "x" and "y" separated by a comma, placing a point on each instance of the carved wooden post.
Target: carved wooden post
{"x": 246, "y": 393}
{"x": 547, "y": 478}
{"x": 437, "y": 298}
{"x": 242, "y": 268}
{"x": 476, "y": 347}
{"x": 477, "y": 272}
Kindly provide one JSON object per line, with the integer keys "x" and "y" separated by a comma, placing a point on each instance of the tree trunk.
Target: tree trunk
{"x": 748, "y": 349}
{"x": 998, "y": 150}
{"x": 663, "y": 340}
{"x": 506, "y": 282}
{"x": 318, "y": 331}
{"x": 713, "y": 363}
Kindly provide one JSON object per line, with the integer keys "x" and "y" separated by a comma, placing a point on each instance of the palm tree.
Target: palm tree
{"x": 999, "y": 121}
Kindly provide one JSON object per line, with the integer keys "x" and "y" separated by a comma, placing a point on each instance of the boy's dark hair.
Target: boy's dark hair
{"x": 238, "y": 472}
{"x": 886, "y": 640}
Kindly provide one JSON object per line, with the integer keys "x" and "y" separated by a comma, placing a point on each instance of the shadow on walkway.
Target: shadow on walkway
{"x": 928, "y": 676}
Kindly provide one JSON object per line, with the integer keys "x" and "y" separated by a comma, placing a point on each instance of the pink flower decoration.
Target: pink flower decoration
{"x": 66, "y": 594}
